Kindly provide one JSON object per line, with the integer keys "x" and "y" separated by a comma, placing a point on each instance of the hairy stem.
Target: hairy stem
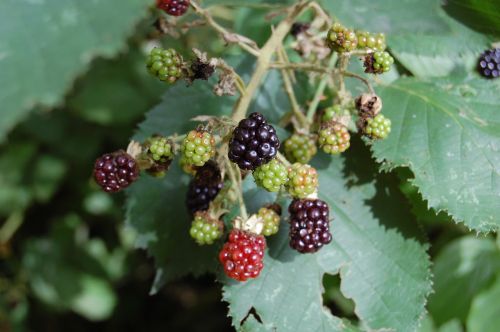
{"x": 236, "y": 183}
{"x": 319, "y": 91}
{"x": 264, "y": 59}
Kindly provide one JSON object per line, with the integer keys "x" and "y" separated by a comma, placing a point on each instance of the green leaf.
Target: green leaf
{"x": 46, "y": 44}
{"x": 439, "y": 54}
{"x": 484, "y": 314}
{"x": 448, "y": 133}
{"x": 387, "y": 16}
{"x": 481, "y": 15}
{"x": 385, "y": 274}
{"x": 461, "y": 270}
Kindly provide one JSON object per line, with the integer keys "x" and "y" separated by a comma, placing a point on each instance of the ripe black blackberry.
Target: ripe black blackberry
{"x": 115, "y": 171}
{"x": 254, "y": 142}
{"x": 489, "y": 63}
{"x": 309, "y": 225}
{"x": 204, "y": 187}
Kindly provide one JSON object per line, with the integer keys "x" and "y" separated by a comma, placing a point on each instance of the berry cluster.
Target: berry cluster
{"x": 254, "y": 142}
{"x": 335, "y": 113}
{"x": 173, "y": 7}
{"x": 334, "y": 138}
{"x": 204, "y": 229}
{"x": 341, "y": 39}
{"x": 165, "y": 64}
{"x": 489, "y": 63}
{"x": 271, "y": 219}
{"x": 242, "y": 255}
{"x": 374, "y": 41}
{"x": 115, "y": 171}
{"x": 198, "y": 147}
{"x": 309, "y": 225}
{"x": 303, "y": 180}
{"x": 300, "y": 148}
{"x": 271, "y": 176}
{"x": 204, "y": 187}
{"x": 378, "y": 127}
{"x": 378, "y": 62}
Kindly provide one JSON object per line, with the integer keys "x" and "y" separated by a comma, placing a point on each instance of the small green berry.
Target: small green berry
{"x": 303, "y": 180}
{"x": 300, "y": 148}
{"x": 204, "y": 229}
{"x": 368, "y": 40}
{"x": 378, "y": 62}
{"x": 335, "y": 113}
{"x": 160, "y": 149}
{"x": 165, "y": 64}
{"x": 198, "y": 147}
{"x": 341, "y": 39}
{"x": 334, "y": 139}
{"x": 271, "y": 221}
{"x": 271, "y": 176}
{"x": 378, "y": 127}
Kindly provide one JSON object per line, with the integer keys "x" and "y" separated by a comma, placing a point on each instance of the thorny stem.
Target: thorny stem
{"x": 319, "y": 91}
{"x": 283, "y": 159}
{"x": 236, "y": 182}
{"x": 244, "y": 42}
{"x": 287, "y": 82}
{"x": 264, "y": 59}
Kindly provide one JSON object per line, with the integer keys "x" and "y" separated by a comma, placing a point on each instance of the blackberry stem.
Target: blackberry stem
{"x": 236, "y": 183}
{"x": 321, "y": 88}
{"x": 283, "y": 159}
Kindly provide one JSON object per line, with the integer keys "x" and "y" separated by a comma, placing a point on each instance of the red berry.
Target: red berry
{"x": 173, "y": 7}
{"x": 115, "y": 171}
{"x": 242, "y": 255}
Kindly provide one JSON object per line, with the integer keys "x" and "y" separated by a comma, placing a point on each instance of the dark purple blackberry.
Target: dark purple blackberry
{"x": 115, "y": 171}
{"x": 254, "y": 142}
{"x": 204, "y": 187}
{"x": 309, "y": 225}
{"x": 489, "y": 63}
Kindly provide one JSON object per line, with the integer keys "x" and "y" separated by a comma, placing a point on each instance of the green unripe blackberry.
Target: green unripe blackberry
{"x": 160, "y": 149}
{"x": 378, "y": 127}
{"x": 271, "y": 176}
{"x": 204, "y": 229}
{"x": 198, "y": 147}
{"x": 374, "y": 41}
{"x": 303, "y": 180}
{"x": 378, "y": 62}
{"x": 165, "y": 64}
{"x": 300, "y": 148}
{"x": 271, "y": 221}
{"x": 334, "y": 138}
{"x": 335, "y": 113}
{"x": 341, "y": 39}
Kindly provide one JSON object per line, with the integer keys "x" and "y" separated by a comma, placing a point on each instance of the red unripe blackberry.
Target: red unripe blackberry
{"x": 115, "y": 171}
{"x": 309, "y": 225}
{"x": 204, "y": 187}
{"x": 173, "y": 7}
{"x": 242, "y": 255}
{"x": 254, "y": 142}
{"x": 489, "y": 63}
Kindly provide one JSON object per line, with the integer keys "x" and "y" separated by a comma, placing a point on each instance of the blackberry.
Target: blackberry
{"x": 165, "y": 64}
{"x": 303, "y": 180}
{"x": 271, "y": 220}
{"x": 300, "y": 148}
{"x": 334, "y": 138}
{"x": 254, "y": 142}
{"x": 173, "y": 7}
{"x": 341, "y": 39}
{"x": 378, "y": 62}
{"x": 242, "y": 255}
{"x": 205, "y": 229}
{"x": 334, "y": 113}
{"x": 160, "y": 151}
{"x": 371, "y": 40}
{"x": 489, "y": 63}
{"x": 378, "y": 127}
{"x": 309, "y": 225}
{"x": 115, "y": 171}
{"x": 204, "y": 187}
{"x": 271, "y": 176}
{"x": 198, "y": 147}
